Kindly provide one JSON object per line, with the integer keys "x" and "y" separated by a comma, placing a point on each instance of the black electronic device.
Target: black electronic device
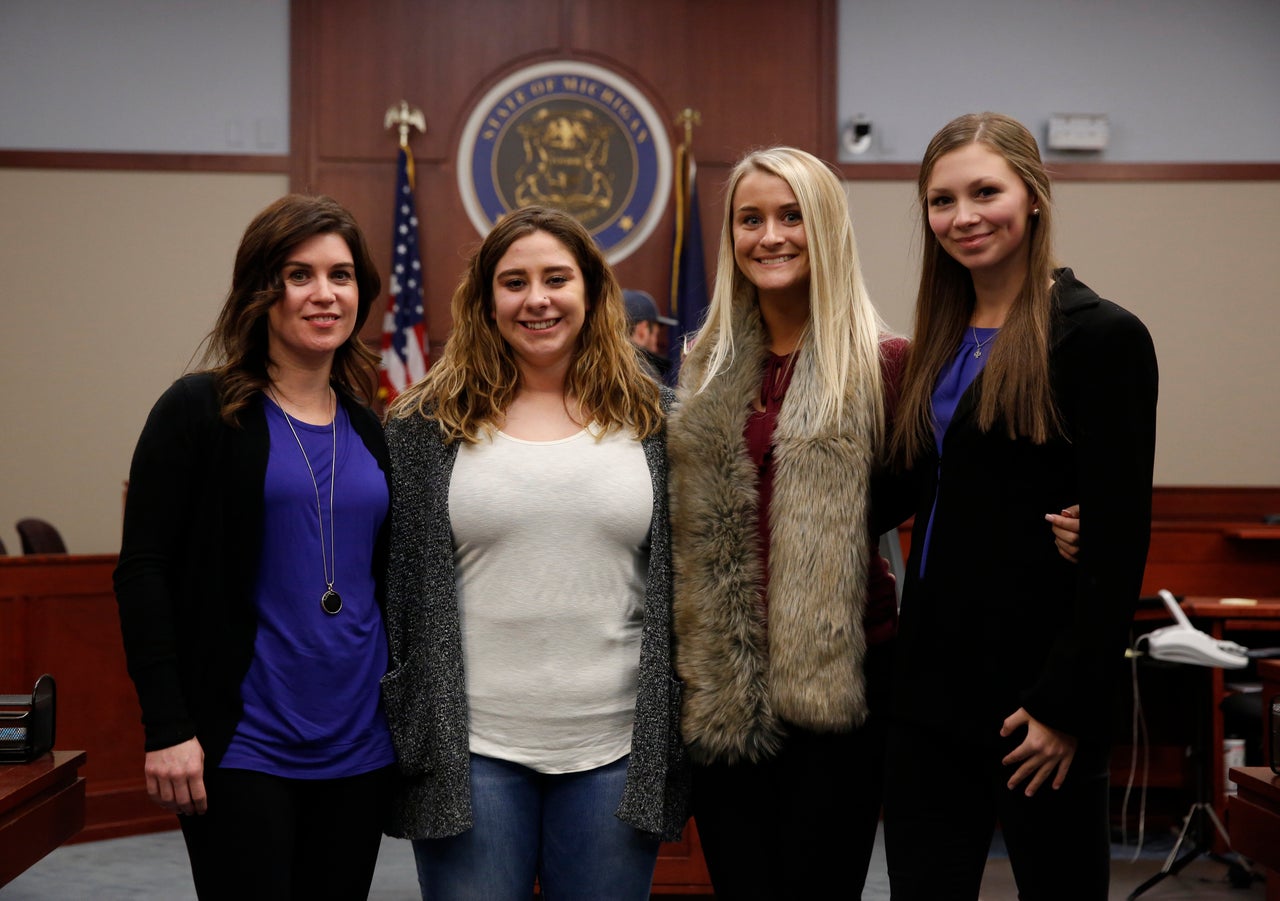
{"x": 28, "y": 722}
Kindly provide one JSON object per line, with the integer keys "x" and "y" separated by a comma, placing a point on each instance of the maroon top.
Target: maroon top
{"x": 880, "y": 618}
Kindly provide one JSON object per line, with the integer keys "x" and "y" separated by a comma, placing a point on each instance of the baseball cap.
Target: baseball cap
{"x": 641, "y": 308}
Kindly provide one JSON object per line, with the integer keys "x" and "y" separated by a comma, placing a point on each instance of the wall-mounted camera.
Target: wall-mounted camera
{"x": 856, "y": 135}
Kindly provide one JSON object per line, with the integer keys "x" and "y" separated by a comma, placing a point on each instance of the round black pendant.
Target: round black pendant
{"x": 331, "y": 602}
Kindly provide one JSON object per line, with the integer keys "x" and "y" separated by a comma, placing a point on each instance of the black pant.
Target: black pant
{"x": 274, "y": 838}
{"x": 803, "y": 823}
{"x": 944, "y": 796}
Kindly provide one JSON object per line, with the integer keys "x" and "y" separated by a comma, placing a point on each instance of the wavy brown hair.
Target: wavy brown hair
{"x": 236, "y": 350}
{"x": 1015, "y": 387}
{"x": 476, "y": 378}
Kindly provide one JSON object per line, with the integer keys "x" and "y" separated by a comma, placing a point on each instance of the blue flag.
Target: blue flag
{"x": 688, "y": 266}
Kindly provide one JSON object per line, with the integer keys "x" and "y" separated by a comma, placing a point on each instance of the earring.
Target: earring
{"x": 1036, "y": 211}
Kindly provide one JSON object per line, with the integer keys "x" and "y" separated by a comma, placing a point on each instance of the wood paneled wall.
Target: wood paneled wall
{"x": 757, "y": 77}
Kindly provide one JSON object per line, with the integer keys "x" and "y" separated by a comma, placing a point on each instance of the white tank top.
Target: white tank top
{"x": 551, "y": 548}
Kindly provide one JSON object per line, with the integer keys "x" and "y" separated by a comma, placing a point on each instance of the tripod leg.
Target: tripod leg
{"x": 1173, "y": 863}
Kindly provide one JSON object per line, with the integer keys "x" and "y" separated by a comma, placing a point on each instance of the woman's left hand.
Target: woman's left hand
{"x": 1041, "y": 753}
{"x": 1066, "y": 531}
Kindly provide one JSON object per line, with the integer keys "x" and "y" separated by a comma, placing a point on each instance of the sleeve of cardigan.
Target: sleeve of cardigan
{"x": 158, "y": 510}
{"x": 1111, "y": 379}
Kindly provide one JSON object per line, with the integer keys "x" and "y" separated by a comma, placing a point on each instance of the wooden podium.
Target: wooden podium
{"x": 58, "y": 616}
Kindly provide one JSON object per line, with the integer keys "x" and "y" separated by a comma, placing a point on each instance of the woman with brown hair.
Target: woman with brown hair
{"x": 250, "y": 575}
{"x": 531, "y": 694}
{"x": 1023, "y": 391}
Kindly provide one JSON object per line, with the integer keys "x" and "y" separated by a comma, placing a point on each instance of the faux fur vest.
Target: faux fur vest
{"x": 743, "y": 677}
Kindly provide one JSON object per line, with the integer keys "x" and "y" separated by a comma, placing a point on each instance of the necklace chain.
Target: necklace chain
{"x": 977, "y": 351}
{"x": 331, "y": 601}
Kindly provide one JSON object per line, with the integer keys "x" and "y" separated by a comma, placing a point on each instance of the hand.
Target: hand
{"x": 1043, "y": 751}
{"x": 175, "y": 777}
{"x": 1066, "y": 531}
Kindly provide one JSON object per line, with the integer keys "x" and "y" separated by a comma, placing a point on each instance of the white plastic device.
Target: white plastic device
{"x": 1184, "y": 643}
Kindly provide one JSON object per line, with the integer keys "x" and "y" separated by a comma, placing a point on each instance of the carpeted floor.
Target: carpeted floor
{"x": 154, "y": 868}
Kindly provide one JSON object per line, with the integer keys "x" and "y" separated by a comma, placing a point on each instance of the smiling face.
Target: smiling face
{"x": 540, "y": 302}
{"x": 769, "y": 241}
{"x": 317, "y": 312}
{"x": 980, "y": 211}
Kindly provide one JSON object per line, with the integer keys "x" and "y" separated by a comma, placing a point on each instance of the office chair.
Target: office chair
{"x": 39, "y": 537}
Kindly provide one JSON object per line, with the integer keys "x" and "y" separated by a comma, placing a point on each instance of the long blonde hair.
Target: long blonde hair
{"x": 476, "y": 378}
{"x": 843, "y": 331}
{"x": 1015, "y": 381}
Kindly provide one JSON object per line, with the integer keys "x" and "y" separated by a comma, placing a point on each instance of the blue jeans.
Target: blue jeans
{"x": 560, "y": 828}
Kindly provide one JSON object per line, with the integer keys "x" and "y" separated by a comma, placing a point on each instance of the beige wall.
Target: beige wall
{"x": 1193, "y": 260}
{"x": 112, "y": 279}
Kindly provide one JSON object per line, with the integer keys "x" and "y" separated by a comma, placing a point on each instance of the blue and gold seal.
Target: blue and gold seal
{"x": 571, "y": 135}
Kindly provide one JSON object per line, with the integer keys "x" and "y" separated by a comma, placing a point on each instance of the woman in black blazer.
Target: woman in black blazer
{"x": 251, "y": 573}
{"x": 1024, "y": 392}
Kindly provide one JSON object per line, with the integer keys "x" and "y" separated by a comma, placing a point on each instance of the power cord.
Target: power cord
{"x": 1138, "y": 737}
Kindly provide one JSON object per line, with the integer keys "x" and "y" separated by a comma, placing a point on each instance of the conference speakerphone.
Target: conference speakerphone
{"x": 27, "y": 722}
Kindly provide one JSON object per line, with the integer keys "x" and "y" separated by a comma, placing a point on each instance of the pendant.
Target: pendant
{"x": 977, "y": 352}
{"x": 331, "y": 602}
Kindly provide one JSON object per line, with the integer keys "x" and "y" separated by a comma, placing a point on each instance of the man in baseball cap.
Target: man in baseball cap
{"x": 645, "y": 322}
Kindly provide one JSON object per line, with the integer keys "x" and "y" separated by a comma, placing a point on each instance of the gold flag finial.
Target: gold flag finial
{"x": 405, "y": 117}
{"x": 688, "y": 118}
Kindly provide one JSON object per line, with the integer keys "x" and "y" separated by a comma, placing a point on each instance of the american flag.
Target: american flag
{"x": 404, "y": 328}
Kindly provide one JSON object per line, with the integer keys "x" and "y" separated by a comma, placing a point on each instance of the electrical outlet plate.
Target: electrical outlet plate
{"x": 1078, "y": 131}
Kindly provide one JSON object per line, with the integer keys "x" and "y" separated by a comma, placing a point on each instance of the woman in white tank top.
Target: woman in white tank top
{"x": 531, "y": 694}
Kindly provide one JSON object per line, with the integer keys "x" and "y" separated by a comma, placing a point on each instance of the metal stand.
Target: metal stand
{"x": 1202, "y": 843}
{"x": 1196, "y": 824}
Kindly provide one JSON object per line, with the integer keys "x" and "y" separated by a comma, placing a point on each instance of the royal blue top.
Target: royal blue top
{"x": 952, "y": 383}
{"x": 311, "y": 695}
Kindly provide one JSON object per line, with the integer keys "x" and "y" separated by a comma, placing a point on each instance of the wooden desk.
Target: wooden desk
{"x": 1253, "y": 821}
{"x": 58, "y": 616}
{"x": 42, "y": 805}
{"x": 1222, "y": 619}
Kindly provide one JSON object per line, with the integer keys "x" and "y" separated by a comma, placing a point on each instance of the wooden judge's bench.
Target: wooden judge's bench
{"x": 58, "y": 615}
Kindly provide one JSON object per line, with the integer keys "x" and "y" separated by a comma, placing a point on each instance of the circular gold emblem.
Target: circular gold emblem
{"x": 571, "y": 135}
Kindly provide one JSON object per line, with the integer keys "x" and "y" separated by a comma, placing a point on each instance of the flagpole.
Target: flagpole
{"x": 687, "y": 118}
{"x": 688, "y": 267}
{"x": 404, "y": 336}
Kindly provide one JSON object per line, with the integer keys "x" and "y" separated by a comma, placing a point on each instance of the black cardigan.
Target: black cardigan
{"x": 189, "y": 558}
{"x": 1000, "y": 621}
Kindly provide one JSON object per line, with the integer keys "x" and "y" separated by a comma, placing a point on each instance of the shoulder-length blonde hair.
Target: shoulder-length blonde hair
{"x": 843, "y": 331}
{"x": 1015, "y": 381}
{"x": 476, "y": 378}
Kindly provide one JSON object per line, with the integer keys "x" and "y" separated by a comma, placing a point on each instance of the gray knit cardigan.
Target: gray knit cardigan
{"x": 425, "y": 690}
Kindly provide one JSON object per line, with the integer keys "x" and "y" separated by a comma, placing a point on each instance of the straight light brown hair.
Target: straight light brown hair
{"x": 1016, "y": 392}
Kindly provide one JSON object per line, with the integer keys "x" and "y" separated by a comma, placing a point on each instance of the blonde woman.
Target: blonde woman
{"x": 784, "y": 610}
{"x": 531, "y": 695}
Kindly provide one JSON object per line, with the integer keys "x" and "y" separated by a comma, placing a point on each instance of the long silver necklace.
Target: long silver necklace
{"x": 977, "y": 351}
{"x": 330, "y": 601}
